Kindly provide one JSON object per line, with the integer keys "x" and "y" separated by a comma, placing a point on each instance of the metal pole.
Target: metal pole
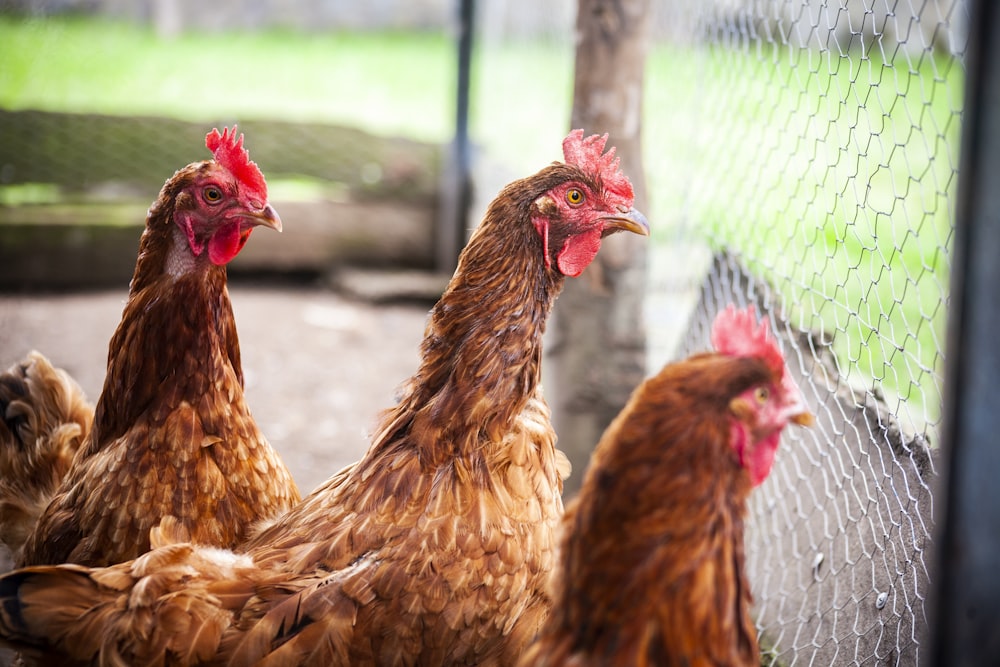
{"x": 466, "y": 24}
{"x": 965, "y": 609}
{"x": 456, "y": 196}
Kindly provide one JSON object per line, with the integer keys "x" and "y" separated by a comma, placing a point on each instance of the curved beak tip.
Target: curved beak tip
{"x": 631, "y": 221}
{"x": 268, "y": 217}
{"x": 804, "y": 419}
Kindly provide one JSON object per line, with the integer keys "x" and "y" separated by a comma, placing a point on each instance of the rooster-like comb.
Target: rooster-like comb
{"x": 229, "y": 152}
{"x": 738, "y": 333}
{"x": 588, "y": 155}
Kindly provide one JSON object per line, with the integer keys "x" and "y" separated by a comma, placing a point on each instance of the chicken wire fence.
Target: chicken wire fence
{"x": 808, "y": 165}
{"x": 99, "y": 158}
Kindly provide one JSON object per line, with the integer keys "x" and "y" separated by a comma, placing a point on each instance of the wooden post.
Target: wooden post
{"x": 597, "y": 348}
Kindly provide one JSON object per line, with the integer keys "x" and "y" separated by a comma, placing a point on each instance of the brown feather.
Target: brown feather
{"x": 44, "y": 418}
{"x": 435, "y": 547}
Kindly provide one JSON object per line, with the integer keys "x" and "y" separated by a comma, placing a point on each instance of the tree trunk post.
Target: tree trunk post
{"x": 597, "y": 350}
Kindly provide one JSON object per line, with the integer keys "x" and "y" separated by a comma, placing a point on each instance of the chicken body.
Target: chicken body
{"x": 435, "y": 548}
{"x": 652, "y": 560}
{"x": 44, "y": 417}
{"x": 172, "y": 434}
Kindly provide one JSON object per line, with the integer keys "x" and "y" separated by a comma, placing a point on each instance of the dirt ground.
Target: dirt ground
{"x": 318, "y": 366}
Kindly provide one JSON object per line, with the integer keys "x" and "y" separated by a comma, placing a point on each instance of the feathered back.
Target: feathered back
{"x": 42, "y": 410}
{"x": 44, "y": 417}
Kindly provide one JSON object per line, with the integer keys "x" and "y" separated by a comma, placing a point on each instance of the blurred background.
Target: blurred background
{"x": 802, "y": 155}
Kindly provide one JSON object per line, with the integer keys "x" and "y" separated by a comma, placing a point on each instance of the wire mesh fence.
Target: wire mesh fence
{"x": 807, "y": 163}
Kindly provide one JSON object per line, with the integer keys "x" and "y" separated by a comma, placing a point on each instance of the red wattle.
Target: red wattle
{"x": 762, "y": 458}
{"x": 578, "y": 252}
{"x": 226, "y": 243}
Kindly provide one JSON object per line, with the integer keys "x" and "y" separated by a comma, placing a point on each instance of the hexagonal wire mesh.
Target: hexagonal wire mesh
{"x": 808, "y": 163}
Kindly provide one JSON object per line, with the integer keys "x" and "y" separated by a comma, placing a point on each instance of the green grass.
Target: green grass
{"x": 833, "y": 176}
{"x": 386, "y": 83}
{"x": 522, "y": 92}
{"x": 86, "y": 65}
{"x": 397, "y": 84}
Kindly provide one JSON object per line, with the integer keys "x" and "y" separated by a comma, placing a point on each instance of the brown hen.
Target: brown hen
{"x": 172, "y": 434}
{"x": 651, "y": 568}
{"x": 44, "y": 417}
{"x": 435, "y": 548}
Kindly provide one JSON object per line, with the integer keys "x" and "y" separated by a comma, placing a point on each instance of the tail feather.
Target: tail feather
{"x": 14, "y": 419}
{"x": 158, "y": 609}
{"x": 38, "y": 605}
{"x": 37, "y": 402}
{"x": 44, "y": 418}
{"x": 311, "y": 626}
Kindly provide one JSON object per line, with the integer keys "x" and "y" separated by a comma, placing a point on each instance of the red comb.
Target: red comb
{"x": 588, "y": 154}
{"x": 737, "y": 333}
{"x": 229, "y": 152}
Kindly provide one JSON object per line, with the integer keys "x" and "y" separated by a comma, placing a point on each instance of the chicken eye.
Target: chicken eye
{"x": 212, "y": 194}
{"x": 761, "y": 394}
{"x": 574, "y": 197}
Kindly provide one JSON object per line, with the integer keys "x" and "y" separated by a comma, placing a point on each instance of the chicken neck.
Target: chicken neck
{"x": 176, "y": 340}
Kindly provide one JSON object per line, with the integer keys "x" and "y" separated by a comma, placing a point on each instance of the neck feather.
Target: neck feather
{"x": 481, "y": 354}
{"x": 170, "y": 323}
